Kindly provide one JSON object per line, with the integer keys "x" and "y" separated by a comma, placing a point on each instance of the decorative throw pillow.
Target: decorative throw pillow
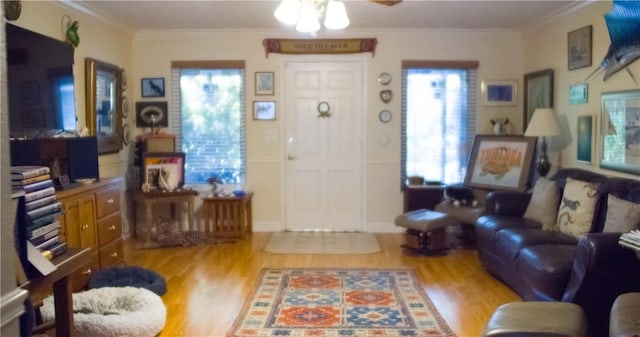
{"x": 543, "y": 206}
{"x": 576, "y": 207}
{"x": 622, "y": 215}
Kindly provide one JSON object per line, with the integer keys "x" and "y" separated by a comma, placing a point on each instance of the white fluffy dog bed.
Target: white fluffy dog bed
{"x": 114, "y": 312}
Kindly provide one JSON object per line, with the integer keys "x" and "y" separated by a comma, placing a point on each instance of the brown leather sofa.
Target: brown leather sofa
{"x": 551, "y": 266}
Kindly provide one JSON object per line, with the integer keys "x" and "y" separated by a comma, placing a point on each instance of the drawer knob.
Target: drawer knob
{"x": 114, "y": 254}
{"x": 87, "y": 272}
{"x": 110, "y": 201}
{"x": 84, "y": 227}
{"x": 112, "y": 228}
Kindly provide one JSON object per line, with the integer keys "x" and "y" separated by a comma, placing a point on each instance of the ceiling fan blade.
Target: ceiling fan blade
{"x": 387, "y": 2}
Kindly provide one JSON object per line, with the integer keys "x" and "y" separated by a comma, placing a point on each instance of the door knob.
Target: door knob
{"x": 291, "y": 157}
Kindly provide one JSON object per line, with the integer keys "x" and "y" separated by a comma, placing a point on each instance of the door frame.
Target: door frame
{"x": 363, "y": 60}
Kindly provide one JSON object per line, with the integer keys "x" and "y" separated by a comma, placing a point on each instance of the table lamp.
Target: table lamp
{"x": 543, "y": 123}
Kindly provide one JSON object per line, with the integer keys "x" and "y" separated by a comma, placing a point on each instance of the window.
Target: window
{"x": 438, "y": 119}
{"x": 209, "y": 119}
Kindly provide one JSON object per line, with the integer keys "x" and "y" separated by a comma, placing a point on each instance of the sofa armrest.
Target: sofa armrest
{"x": 601, "y": 271}
{"x": 601, "y": 252}
{"x": 507, "y": 203}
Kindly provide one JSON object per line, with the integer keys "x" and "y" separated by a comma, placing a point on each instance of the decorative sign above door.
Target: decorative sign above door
{"x": 320, "y": 46}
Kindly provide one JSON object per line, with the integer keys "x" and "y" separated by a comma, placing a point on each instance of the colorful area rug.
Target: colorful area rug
{"x": 338, "y": 303}
{"x": 322, "y": 243}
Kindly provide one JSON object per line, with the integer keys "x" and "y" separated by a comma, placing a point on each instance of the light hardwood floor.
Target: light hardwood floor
{"x": 207, "y": 285}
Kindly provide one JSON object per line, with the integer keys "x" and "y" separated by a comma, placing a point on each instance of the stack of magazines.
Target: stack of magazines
{"x": 42, "y": 208}
{"x": 631, "y": 240}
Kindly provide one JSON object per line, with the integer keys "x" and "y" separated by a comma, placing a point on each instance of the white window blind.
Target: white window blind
{"x": 438, "y": 119}
{"x": 208, "y": 119}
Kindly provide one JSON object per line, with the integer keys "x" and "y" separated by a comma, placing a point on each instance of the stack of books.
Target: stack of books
{"x": 41, "y": 207}
{"x": 631, "y": 240}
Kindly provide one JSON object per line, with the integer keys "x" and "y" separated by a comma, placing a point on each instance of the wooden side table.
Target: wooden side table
{"x": 60, "y": 278}
{"x": 149, "y": 199}
{"x": 228, "y": 216}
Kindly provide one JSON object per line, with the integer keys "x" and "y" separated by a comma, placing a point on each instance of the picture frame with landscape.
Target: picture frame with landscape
{"x": 579, "y": 48}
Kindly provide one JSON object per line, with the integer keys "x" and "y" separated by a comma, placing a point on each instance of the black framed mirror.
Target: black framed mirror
{"x": 104, "y": 101}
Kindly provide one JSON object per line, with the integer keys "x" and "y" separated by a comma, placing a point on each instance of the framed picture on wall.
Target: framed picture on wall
{"x": 585, "y": 139}
{"x": 152, "y": 87}
{"x": 578, "y": 93}
{"x": 620, "y": 131}
{"x": 264, "y": 83}
{"x": 264, "y": 110}
{"x": 579, "y": 48}
{"x": 499, "y": 93}
{"x": 538, "y": 93}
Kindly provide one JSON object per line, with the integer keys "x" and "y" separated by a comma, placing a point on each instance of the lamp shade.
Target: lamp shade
{"x": 543, "y": 123}
{"x": 287, "y": 12}
{"x": 308, "y": 18}
{"x": 336, "y": 15}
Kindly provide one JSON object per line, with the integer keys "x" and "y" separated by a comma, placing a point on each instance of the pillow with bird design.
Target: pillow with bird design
{"x": 577, "y": 205}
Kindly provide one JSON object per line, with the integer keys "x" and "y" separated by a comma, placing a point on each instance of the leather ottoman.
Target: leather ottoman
{"x": 426, "y": 230}
{"x": 537, "y": 319}
{"x": 625, "y": 316}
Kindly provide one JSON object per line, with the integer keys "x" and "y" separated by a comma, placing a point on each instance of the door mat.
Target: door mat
{"x": 322, "y": 243}
{"x": 337, "y": 303}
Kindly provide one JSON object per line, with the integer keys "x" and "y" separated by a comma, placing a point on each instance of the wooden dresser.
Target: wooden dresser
{"x": 92, "y": 219}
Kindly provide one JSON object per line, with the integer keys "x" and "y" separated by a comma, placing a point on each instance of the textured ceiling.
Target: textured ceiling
{"x": 409, "y": 14}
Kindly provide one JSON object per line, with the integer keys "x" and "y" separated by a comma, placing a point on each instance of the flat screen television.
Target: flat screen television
{"x": 40, "y": 84}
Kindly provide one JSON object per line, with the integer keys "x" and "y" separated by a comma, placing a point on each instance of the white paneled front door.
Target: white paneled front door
{"x": 323, "y": 165}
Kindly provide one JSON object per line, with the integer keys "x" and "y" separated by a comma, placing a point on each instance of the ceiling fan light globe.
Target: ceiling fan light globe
{"x": 287, "y": 11}
{"x": 336, "y": 16}
{"x": 308, "y": 19}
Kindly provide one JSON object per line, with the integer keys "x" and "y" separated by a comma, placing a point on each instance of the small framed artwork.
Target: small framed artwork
{"x": 500, "y": 162}
{"x": 152, "y": 114}
{"x": 538, "y": 93}
{"x": 152, "y": 87}
{"x": 500, "y": 92}
{"x": 585, "y": 139}
{"x": 264, "y": 83}
{"x": 168, "y": 166}
{"x": 264, "y": 110}
{"x": 620, "y": 131}
{"x": 578, "y": 94}
{"x": 579, "y": 48}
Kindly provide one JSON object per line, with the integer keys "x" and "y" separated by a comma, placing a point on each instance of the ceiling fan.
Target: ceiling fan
{"x": 387, "y": 2}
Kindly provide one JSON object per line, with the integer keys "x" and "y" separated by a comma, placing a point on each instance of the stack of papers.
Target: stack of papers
{"x": 631, "y": 240}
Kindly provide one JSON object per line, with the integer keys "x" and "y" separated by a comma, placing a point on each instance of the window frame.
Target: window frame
{"x": 176, "y": 104}
{"x": 471, "y": 68}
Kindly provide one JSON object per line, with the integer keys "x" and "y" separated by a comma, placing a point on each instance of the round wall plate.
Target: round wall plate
{"x": 385, "y": 96}
{"x": 384, "y": 78}
{"x": 384, "y": 116}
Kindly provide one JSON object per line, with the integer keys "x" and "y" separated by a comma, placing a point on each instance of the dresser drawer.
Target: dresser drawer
{"x": 108, "y": 201}
{"x": 109, "y": 229}
{"x": 80, "y": 278}
{"x": 112, "y": 254}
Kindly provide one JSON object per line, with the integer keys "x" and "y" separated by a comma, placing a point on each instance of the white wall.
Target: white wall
{"x": 546, "y": 47}
{"x": 501, "y": 55}
{"x": 154, "y": 50}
